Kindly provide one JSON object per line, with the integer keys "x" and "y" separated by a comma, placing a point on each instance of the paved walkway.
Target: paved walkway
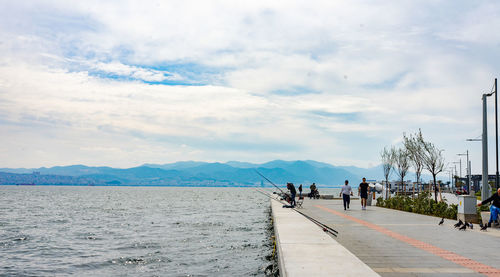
{"x": 305, "y": 250}
{"x": 396, "y": 243}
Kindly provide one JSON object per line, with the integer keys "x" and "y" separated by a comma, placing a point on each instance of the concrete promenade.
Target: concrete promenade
{"x": 305, "y": 250}
{"x": 396, "y": 243}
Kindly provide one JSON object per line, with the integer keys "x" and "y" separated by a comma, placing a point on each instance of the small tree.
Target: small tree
{"x": 433, "y": 160}
{"x": 387, "y": 157}
{"x": 402, "y": 163}
{"x": 415, "y": 150}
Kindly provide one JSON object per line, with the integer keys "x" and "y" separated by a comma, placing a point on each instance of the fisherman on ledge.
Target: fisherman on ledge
{"x": 293, "y": 192}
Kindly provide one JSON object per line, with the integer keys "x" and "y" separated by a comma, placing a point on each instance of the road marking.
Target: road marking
{"x": 445, "y": 254}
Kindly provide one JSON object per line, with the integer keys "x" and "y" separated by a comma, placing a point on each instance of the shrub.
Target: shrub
{"x": 423, "y": 204}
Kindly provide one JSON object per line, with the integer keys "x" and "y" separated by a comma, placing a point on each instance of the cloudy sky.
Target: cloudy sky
{"x": 123, "y": 83}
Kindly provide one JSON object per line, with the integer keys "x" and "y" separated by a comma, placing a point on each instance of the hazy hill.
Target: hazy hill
{"x": 201, "y": 173}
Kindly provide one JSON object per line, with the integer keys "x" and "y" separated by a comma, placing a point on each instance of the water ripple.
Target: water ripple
{"x": 108, "y": 231}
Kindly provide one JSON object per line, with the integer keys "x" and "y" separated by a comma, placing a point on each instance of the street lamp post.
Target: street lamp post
{"x": 456, "y": 173}
{"x": 460, "y": 162}
{"x": 496, "y": 132}
{"x": 485, "y": 192}
{"x": 467, "y": 171}
{"x": 470, "y": 191}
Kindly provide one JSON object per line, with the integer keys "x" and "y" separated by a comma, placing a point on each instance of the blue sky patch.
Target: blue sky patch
{"x": 295, "y": 91}
{"x": 340, "y": 116}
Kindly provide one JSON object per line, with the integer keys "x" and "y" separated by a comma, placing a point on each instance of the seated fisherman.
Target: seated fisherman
{"x": 293, "y": 192}
{"x": 495, "y": 206}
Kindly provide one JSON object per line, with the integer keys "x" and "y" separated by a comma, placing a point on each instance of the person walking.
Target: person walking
{"x": 346, "y": 192}
{"x": 300, "y": 191}
{"x": 363, "y": 193}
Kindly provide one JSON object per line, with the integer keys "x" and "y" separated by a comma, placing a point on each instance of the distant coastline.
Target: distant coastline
{"x": 193, "y": 174}
{"x": 154, "y": 186}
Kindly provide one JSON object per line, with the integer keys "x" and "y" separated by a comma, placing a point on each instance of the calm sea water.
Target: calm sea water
{"x": 133, "y": 231}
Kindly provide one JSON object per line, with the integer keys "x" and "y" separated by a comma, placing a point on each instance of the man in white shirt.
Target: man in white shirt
{"x": 346, "y": 192}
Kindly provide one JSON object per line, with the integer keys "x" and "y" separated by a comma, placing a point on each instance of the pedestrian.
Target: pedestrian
{"x": 300, "y": 191}
{"x": 494, "y": 208}
{"x": 293, "y": 192}
{"x": 346, "y": 192}
{"x": 363, "y": 193}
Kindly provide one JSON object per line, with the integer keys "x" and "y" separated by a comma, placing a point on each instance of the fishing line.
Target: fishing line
{"x": 271, "y": 182}
{"x": 323, "y": 226}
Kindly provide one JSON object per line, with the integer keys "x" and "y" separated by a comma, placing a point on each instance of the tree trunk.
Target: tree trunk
{"x": 418, "y": 185}
{"x": 386, "y": 189}
{"x": 435, "y": 188}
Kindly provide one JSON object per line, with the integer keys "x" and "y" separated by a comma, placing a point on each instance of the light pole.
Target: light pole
{"x": 468, "y": 168}
{"x": 452, "y": 177}
{"x": 470, "y": 191}
{"x": 496, "y": 132}
{"x": 458, "y": 174}
{"x": 450, "y": 186}
{"x": 485, "y": 192}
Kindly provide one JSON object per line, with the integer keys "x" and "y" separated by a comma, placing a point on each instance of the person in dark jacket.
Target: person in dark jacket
{"x": 300, "y": 190}
{"x": 293, "y": 192}
{"x": 494, "y": 208}
{"x": 363, "y": 192}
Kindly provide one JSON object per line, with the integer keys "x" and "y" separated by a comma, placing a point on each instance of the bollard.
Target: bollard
{"x": 467, "y": 208}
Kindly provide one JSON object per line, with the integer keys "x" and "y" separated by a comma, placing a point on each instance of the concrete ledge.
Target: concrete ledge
{"x": 305, "y": 250}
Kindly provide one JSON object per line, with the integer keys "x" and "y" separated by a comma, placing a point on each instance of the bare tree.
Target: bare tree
{"x": 433, "y": 160}
{"x": 415, "y": 151}
{"x": 387, "y": 157}
{"x": 402, "y": 164}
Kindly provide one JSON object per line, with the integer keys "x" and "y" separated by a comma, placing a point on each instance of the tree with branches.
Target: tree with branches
{"x": 433, "y": 160}
{"x": 402, "y": 164}
{"x": 387, "y": 157}
{"x": 415, "y": 150}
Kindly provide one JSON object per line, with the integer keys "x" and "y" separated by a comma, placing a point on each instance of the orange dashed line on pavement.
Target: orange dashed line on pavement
{"x": 445, "y": 254}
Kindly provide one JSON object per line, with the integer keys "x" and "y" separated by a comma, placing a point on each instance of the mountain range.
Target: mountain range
{"x": 232, "y": 173}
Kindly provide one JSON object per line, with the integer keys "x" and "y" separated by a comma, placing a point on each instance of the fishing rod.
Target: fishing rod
{"x": 271, "y": 182}
{"x": 268, "y": 195}
{"x": 323, "y": 226}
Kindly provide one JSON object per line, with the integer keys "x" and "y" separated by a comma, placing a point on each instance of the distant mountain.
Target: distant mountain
{"x": 17, "y": 170}
{"x": 232, "y": 173}
{"x": 372, "y": 173}
{"x": 71, "y": 170}
{"x": 176, "y": 165}
{"x": 319, "y": 164}
{"x": 242, "y": 164}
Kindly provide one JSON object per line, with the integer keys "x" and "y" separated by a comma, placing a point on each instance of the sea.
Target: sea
{"x": 133, "y": 231}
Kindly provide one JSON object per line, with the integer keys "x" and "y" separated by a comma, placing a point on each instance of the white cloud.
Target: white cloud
{"x": 361, "y": 74}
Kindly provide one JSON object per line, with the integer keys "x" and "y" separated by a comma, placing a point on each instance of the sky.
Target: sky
{"x": 123, "y": 83}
